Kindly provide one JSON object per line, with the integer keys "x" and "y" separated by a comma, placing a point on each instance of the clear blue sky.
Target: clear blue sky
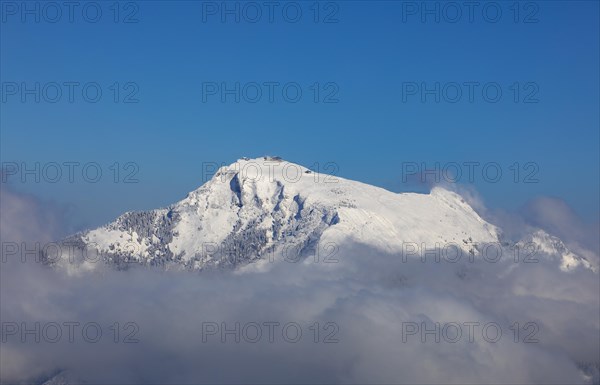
{"x": 369, "y": 53}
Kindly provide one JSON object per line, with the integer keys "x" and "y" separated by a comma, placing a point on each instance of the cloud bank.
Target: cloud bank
{"x": 369, "y": 318}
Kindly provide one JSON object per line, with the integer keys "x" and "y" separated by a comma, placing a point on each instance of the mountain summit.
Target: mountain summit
{"x": 266, "y": 207}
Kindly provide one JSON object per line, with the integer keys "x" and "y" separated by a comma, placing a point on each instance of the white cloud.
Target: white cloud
{"x": 367, "y": 295}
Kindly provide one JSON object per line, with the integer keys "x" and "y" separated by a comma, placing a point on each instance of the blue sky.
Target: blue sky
{"x": 365, "y": 60}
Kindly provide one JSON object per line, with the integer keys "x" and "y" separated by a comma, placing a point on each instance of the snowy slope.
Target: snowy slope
{"x": 553, "y": 248}
{"x": 262, "y": 207}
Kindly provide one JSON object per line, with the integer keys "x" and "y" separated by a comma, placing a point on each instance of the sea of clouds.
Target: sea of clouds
{"x": 368, "y": 318}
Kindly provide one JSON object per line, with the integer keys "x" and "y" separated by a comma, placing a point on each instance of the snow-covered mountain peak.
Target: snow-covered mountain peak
{"x": 256, "y": 207}
{"x": 545, "y": 244}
